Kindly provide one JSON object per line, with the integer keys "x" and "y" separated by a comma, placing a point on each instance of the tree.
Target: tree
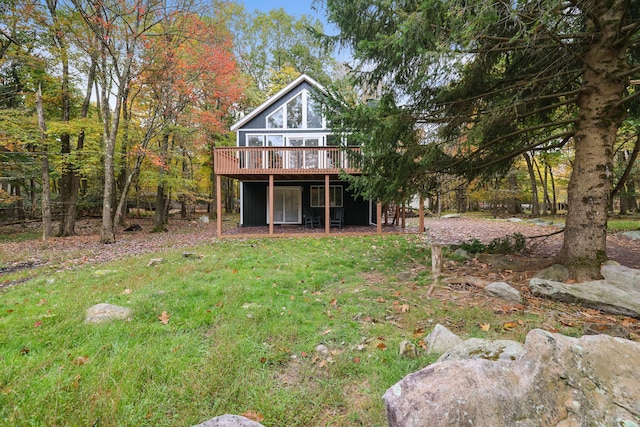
{"x": 500, "y": 79}
{"x": 119, "y": 27}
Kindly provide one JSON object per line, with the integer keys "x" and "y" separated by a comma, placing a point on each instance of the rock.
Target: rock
{"x": 556, "y": 381}
{"x": 619, "y": 293}
{"x": 322, "y": 349}
{"x": 556, "y": 272}
{"x": 441, "y": 340}
{"x": 155, "y": 261}
{"x": 449, "y": 216}
{"x": 407, "y": 275}
{"x": 204, "y": 219}
{"x": 461, "y": 253}
{"x": 505, "y": 291}
{"x": 408, "y": 350}
{"x": 621, "y": 275}
{"x": 515, "y": 219}
{"x": 500, "y": 261}
{"x": 633, "y": 235}
{"x": 229, "y": 421}
{"x": 103, "y": 312}
{"x": 477, "y": 348}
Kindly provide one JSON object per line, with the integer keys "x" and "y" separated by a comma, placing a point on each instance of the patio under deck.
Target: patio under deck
{"x": 289, "y": 163}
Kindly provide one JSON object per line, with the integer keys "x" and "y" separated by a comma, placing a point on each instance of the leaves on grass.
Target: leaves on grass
{"x": 127, "y": 291}
{"x": 164, "y": 318}
{"x": 507, "y": 326}
{"x": 37, "y": 324}
{"x": 253, "y": 416}
{"x": 80, "y": 360}
{"x": 485, "y": 326}
{"x": 326, "y": 332}
{"x": 382, "y": 346}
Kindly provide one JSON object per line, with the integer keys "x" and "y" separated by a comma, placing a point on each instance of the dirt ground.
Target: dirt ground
{"x": 85, "y": 247}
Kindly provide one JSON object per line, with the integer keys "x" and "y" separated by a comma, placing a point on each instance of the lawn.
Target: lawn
{"x": 235, "y": 329}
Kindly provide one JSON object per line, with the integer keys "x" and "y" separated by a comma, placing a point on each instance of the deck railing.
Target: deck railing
{"x": 285, "y": 160}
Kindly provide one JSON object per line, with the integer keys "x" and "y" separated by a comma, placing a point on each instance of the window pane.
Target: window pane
{"x": 314, "y": 114}
{"x": 315, "y": 196}
{"x": 255, "y": 140}
{"x": 275, "y": 140}
{"x": 294, "y": 113}
{"x": 275, "y": 120}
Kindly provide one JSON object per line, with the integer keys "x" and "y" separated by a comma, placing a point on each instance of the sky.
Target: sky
{"x": 292, "y": 7}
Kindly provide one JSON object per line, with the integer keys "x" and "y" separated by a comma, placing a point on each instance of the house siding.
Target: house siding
{"x": 356, "y": 210}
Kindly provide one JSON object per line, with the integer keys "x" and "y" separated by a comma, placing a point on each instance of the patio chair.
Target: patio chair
{"x": 338, "y": 218}
{"x": 310, "y": 220}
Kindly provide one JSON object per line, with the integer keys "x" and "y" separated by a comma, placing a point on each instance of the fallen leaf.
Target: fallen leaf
{"x": 418, "y": 332}
{"x": 322, "y": 364}
{"x": 253, "y": 416}
{"x": 382, "y": 346}
{"x": 509, "y": 325}
{"x": 126, "y": 291}
{"x": 380, "y": 299}
{"x": 303, "y": 354}
{"x": 404, "y": 308}
{"x": 326, "y": 332}
{"x": 356, "y": 359}
{"x": 235, "y": 271}
{"x": 164, "y": 318}
{"x": 42, "y": 301}
{"x": 422, "y": 345}
{"x": 485, "y": 326}
{"x": 37, "y": 324}
{"x": 629, "y": 321}
{"x": 76, "y": 381}
{"x": 334, "y": 302}
{"x": 80, "y": 360}
{"x": 24, "y": 351}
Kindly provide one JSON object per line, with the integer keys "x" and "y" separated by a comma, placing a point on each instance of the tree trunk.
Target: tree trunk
{"x": 44, "y": 164}
{"x": 159, "y": 217}
{"x": 600, "y": 115}
{"x": 19, "y": 203}
{"x": 535, "y": 204}
{"x": 554, "y": 204}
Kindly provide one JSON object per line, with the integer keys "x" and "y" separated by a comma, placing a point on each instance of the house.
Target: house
{"x": 288, "y": 164}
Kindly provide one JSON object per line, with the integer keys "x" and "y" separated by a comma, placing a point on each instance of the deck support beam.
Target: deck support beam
{"x": 379, "y": 217}
{"x": 270, "y": 205}
{"x": 219, "y": 205}
{"x": 327, "y": 206}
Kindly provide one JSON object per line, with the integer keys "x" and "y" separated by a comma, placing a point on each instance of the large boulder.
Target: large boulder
{"x": 555, "y": 272}
{"x": 556, "y": 381}
{"x": 617, "y": 293}
{"x": 478, "y": 348}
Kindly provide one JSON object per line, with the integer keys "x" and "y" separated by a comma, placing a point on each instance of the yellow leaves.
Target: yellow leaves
{"x": 164, "y": 318}
{"x": 507, "y": 326}
{"x": 485, "y": 326}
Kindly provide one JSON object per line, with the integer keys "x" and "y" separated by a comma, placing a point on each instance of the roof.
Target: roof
{"x": 275, "y": 99}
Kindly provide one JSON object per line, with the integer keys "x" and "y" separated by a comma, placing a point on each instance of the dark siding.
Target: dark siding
{"x": 254, "y": 209}
{"x": 356, "y": 210}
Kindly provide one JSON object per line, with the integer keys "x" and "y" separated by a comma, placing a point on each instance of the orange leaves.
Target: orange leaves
{"x": 164, "y": 318}
{"x": 253, "y": 416}
{"x": 485, "y": 326}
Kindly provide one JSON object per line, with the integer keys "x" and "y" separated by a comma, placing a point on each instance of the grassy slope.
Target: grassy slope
{"x": 245, "y": 320}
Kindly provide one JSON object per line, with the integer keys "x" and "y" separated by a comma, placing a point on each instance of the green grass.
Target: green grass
{"x": 245, "y": 320}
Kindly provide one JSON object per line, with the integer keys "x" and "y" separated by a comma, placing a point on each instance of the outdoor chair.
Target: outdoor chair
{"x": 338, "y": 218}
{"x": 310, "y": 220}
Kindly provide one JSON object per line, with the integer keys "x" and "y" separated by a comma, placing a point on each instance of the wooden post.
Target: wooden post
{"x": 421, "y": 216}
{"x": 270, "y": 204}
{"x": 327, "y": 206}
{"x": 219, "y": 205}
{"x": 404, "y": 217}
{"x": 436, "y": 259}
{"x": 379, "y": 217}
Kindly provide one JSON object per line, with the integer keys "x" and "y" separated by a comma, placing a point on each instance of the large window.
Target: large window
{"x": 287, "y": 205}
{"x": 300, "y": 112}
{"x": 335, "y": 196}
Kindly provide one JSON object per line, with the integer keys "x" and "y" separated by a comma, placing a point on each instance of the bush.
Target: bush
{"x": 509, "y": 244}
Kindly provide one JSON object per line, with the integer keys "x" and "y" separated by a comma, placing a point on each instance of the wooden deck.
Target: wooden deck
{"x": 251, "y": 163}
